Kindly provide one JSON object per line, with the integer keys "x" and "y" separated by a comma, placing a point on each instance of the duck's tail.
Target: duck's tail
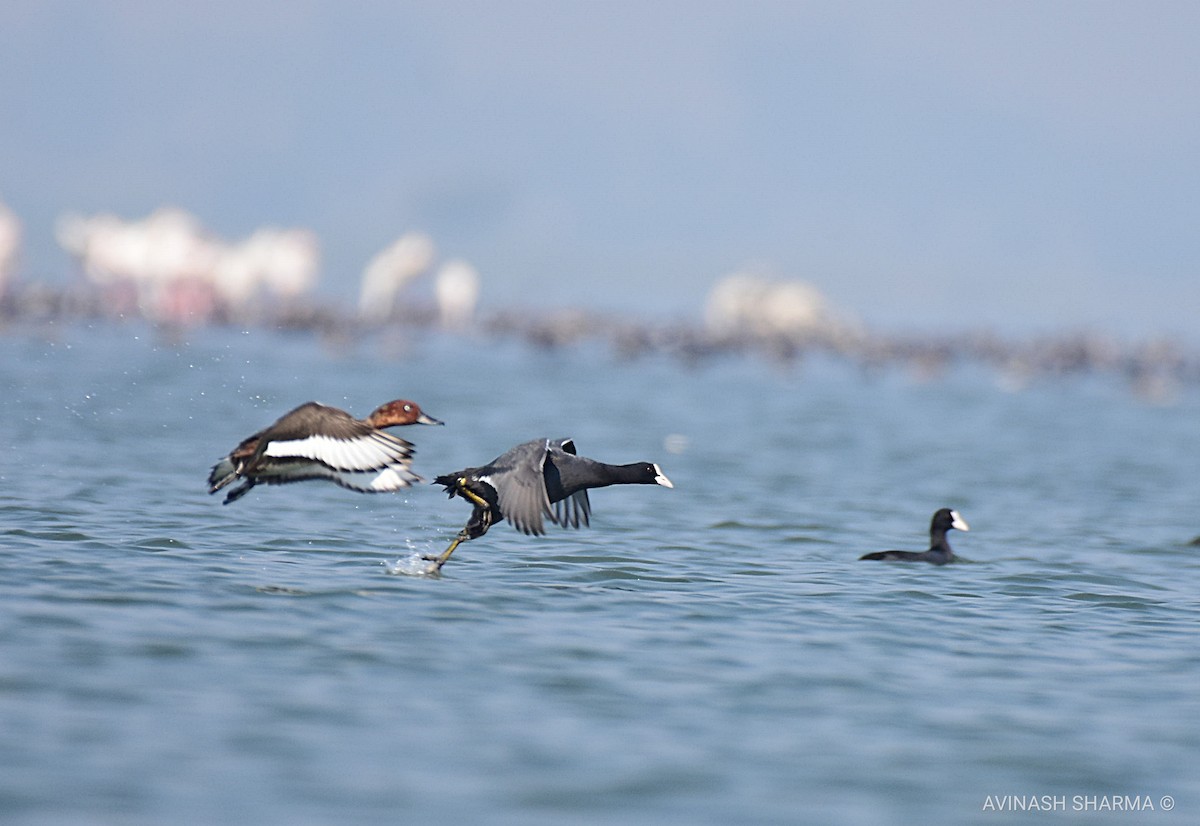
{"x": 223, "y": 473}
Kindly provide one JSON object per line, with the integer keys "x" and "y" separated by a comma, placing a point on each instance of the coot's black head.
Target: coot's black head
{"x": 598, "y": 475}
{"x": 945, "y": 519}
{"x": 653, "y": 475}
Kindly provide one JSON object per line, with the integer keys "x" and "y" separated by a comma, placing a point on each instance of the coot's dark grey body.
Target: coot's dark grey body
{"x": 543, "y": 479}
{"x": 939, "y": 552}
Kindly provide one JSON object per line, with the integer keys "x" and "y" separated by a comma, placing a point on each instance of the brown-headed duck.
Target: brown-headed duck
{"x": 316, "y": 441}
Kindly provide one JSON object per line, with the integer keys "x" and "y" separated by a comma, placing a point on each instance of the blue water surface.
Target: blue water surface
{"x": 711, "y": 654}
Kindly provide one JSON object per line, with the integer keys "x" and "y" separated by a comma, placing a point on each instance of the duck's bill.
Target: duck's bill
{"x": 958, "y": 523}
{"x": 661, "y": 478}
{"x": 425, "y": 418}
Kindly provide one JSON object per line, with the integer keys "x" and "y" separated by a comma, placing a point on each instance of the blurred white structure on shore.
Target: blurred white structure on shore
{"x": 745, "y": 304}
{"x": 283, "y": 264}
{"x": 457, "y": 290}
{"x": 141, "y": 266}
{"x": 390, "y": 271}
{"x": 10, "y": 247}
{"x": 168, "y": 268}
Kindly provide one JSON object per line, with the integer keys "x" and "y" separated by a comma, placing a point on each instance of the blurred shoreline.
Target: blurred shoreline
{"x": 1155, "y": 369}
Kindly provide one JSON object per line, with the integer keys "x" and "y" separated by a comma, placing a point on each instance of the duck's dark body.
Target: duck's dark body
{"x": 939, "y": 552}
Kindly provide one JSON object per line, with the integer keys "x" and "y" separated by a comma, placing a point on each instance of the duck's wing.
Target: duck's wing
{"x": 332, "y": 437}
{"x": 391, "y": 477}
{"x": 353, "y": 450}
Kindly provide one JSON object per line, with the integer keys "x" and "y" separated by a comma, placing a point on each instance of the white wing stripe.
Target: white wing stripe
{"x": 340, "y": 454}
{"x": 390, "y": 478}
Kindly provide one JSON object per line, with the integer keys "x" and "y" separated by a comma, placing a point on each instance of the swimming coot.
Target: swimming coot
{"x": 939, "y": 552}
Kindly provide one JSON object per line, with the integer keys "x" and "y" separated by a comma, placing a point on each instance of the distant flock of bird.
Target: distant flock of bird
{"x": 535, "y": 482}
{"x": 171, "y": 271}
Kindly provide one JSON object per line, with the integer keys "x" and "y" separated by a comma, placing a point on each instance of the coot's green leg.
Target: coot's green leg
{"x": 480, "y": 522}
{"x": 441, "y": 558}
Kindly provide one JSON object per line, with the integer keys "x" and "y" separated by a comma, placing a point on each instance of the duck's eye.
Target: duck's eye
{"x": 408, "y": 408}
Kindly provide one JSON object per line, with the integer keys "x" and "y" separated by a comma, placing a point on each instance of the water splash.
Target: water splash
{"x": 412, "y": 565}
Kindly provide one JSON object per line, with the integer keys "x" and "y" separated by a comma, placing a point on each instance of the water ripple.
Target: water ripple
{"x": 710, "y": 654}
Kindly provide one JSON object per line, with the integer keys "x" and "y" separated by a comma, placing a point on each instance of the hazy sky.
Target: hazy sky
{"x": 1009, "y": 164}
